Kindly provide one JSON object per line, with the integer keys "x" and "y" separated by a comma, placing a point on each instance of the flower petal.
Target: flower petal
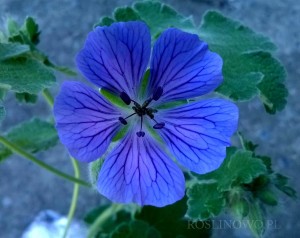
{"x": 138, "y": 171}
{"x": 183, "y": 66}
{"x": 85, "y": 121}
{"x": 198, "y": 133}
{"x": 116, "y": 57}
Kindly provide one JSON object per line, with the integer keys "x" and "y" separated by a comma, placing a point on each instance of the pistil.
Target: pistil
{"x": 143, "y": 110}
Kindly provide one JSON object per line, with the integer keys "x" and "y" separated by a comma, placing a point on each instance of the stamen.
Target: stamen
{"x": 146, "y": 103}
{"x": 122, "y": 120}
{"x": 141, "y": 133}
{"x": 159, "y": 125}
{"x": 159, "y": 91}
{"x": 130, "y": 115}
{"x": 126, "y": 99}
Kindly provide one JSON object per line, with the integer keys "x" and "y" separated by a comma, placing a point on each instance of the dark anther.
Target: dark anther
{"x": 159, "y": 125}
{"x": 159, "y": 91}
{"x": 140, "y": 134}
{"x": 126, "y": 99}
{"x": 146, "y": 103}
{"x": 122, "y": 120}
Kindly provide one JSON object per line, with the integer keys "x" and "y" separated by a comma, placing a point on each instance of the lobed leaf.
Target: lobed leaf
{"x": 10, "y": 50}
{"x": 25, "y": 75}
{"x": 158, "y": 16}
{"x": 249, "y": 68}
{"x": 33, "y": 136}
{"x": 205, "y": 201}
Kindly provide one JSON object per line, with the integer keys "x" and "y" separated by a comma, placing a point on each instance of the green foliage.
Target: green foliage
{"x": 31, "y": 28}
{"x": 10, "y": 50}
{"x": 245, "y": 183}
{"x": 113, "y": 218}
{"x": 207, "y": 195}
{"x": 205, "y": 201}
{"x": 2, "y": 112}
{"x": 256, "y": 219}
{"x": 249, "y": 68}
{"x": 23, "y": 68}
{"x": 26, "y": 75}
{"x": 27, "y": 97}
{"x": 92, "y": 215}
{"x": 281, "y": 183}
{"x": 157, "y": 15}
{"x": 172, "y": 216}
{"x": 33, "y": 136}
{"x": 239, "y": 167}
{"x": 135, "y": 229}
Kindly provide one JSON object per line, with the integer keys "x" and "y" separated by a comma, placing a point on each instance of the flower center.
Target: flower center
{"x": 143, "y": 110}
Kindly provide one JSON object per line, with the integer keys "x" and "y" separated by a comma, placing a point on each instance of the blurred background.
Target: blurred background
{"x": 26, "y": 189}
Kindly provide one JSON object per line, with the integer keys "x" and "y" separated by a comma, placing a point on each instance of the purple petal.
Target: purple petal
{"x": 85, "y": 121}
{"x": 198, "y": 133}
{"x": 138, "y": 171}
{"x": 116, "y": 57}
{"x": 183, "y": 66}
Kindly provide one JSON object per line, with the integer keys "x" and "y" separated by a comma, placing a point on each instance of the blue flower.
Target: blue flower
{"x": 138, "y": 169}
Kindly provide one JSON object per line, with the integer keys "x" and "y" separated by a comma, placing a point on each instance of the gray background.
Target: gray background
{"x": 26, "y": 189}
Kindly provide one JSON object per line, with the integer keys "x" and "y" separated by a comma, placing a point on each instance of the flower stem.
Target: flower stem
{"x": 74, "y": 197}
{"x": 97, "y": 225}
{"x": 14, "y": 148}
{"x": 47, "y": 95}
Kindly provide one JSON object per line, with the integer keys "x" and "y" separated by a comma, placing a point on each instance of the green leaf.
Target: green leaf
{"x": 241, "y": 87}
{"x": 31, "y": 28}
{"x": 25, "y": 75}
{"x": 268, "y": 197}
{"x": 240, "y": 208}
{"x": 256, "y": 220}
{"x": 159, "y": 17}
{"x": 281, "y": 183}
{"x": 238, "y": 168}
{"x": 33, "y": 136}
{"x": 12, "y": 26}
{"x": 204, "y": 201}
{"x": 170, "y": 221}
{"x": 161, "y": 215}
{"x": 93, "y": 214}
{"x": 135, "y": 229}
{"x": 249, "y": 68}
{"x": 125, "y": 14}
{"x": 2, "y": 112}
{"x": 241, "y": 168}
{"x": 104, "y": 21}
{"x": 10, "y": 50}
{"x": 113, "y": 218}
{"x": 27, "y": 97}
